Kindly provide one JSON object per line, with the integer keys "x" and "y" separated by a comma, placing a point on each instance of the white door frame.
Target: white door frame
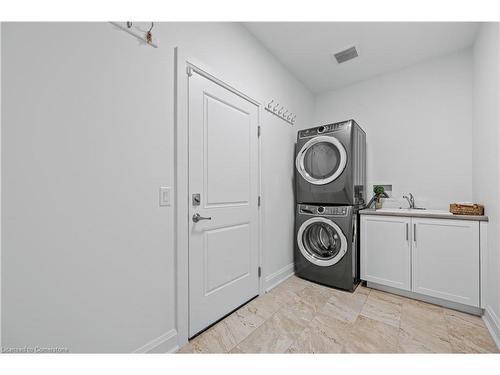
{"x": 183, "y": 65}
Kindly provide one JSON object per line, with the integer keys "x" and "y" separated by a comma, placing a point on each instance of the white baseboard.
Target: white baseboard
{"x": 273, "y": 280}
{"x": 166, "y": 343}
{"x": 493, "y": 324}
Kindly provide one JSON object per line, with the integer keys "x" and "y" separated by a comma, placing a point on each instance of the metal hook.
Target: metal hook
{"x": 270, "y": 104}
{"x": 129, "y": 24}
{"x": 149, "y": 36}
{"x": 276, "y": 107}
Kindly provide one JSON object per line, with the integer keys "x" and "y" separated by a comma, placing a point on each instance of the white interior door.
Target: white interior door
{"x": 223, "y": 170}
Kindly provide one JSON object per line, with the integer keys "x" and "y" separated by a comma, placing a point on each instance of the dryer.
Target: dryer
{"x": 330, "y": 165}
{"x": 326, "y": 246}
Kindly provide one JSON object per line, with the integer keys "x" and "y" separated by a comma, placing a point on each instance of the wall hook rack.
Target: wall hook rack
{"x": 280, "y": 111}
{"x": 144, "y": 36}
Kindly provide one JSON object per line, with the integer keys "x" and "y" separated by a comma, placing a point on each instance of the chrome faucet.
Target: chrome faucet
{"x": 410, "y": 199}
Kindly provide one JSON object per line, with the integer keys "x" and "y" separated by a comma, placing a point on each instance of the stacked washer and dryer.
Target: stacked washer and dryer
{"x": 330, "y": 188}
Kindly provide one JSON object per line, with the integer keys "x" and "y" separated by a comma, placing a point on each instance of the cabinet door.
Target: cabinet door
{"x": 385, "y": 250}
{"x": 445, "y": 259}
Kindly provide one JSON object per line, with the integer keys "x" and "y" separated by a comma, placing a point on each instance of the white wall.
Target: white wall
{"x": 279, "y": 209}
{"x": 485, "y": 156}
{"x": 419, "y": 126}
{"x": 0, "y": 187}
{"x": 87, "y": 123}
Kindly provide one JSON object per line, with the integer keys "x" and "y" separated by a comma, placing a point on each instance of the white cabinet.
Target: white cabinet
{"x": 445, "y": 259}
{"x": 433, "y": 257}
{"x": 385, "y": 250}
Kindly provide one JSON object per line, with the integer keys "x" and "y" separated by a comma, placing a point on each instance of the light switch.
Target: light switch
{"x": 164, "y": 196}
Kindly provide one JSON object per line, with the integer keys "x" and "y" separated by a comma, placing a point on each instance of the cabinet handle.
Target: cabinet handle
{"x": 414, "y": 232}
{"x": 406, "y": 231}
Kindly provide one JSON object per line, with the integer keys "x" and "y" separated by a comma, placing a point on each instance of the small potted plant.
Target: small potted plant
{"x": 379, "y": 193}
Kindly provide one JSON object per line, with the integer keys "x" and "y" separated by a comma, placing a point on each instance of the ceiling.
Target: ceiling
{"x": 306, "y": 48}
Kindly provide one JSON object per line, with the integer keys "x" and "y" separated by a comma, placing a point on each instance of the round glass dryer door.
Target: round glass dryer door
{"x": 321, "y": 241}
{"x": 321, "y": 160}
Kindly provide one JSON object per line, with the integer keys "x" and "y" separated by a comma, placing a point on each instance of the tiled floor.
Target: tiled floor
{"x": 303, "y": 317}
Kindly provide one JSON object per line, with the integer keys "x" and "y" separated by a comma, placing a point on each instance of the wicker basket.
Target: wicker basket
{"x": 466, "y": 209}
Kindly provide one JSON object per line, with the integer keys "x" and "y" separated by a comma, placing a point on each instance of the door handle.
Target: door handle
{"x": 197, "y": 217}
{"x": 414, "y": 232}
{"x": 406, "y": 231}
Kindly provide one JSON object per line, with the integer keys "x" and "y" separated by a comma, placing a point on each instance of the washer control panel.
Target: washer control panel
{"x": 328, "y": 128}
{"x": 324, "y": 210}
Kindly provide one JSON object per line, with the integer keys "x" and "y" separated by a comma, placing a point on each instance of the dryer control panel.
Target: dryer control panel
{"x": 324, "y": 210}
{"x": 328, "y": 128}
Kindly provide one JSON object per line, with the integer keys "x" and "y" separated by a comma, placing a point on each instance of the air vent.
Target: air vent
{"x": 346, "y": 55}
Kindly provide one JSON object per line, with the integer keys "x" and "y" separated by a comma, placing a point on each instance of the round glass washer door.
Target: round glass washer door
{"x": 321, "y": 160}
{"x": 321, "y": 241}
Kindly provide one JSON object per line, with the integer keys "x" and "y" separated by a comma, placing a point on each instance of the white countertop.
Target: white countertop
{"x": 408, "y": 212}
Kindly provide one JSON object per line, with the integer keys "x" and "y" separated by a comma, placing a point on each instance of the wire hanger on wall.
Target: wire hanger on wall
{"x": 146, "y": 38}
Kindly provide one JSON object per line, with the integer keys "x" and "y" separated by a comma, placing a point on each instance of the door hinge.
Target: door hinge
{"x": 258, "y": 131}
{"x": 258, "y": 201}
{"x": 189, "y": 71}
{"x": 260, "y": 272}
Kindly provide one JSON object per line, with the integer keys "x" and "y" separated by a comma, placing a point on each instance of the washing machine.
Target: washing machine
{"x": 326, "y": 246}
{"x": 330, "y": 164}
